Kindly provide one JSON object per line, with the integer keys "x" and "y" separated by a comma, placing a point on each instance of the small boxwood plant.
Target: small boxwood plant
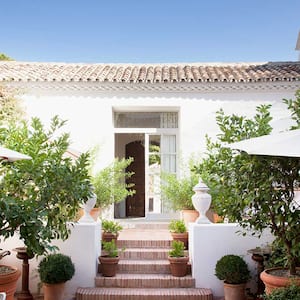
{"x": 232, "y": 269}
{"x": 177, "y": 249}
{"x": 56, "y": 268}
{"x": 177, "y": 226}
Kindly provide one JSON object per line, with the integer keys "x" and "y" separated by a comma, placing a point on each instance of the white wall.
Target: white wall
{"x": 90, "y": 114}
{"x": 83, "y": 246}
{"x": 209, "y": 242}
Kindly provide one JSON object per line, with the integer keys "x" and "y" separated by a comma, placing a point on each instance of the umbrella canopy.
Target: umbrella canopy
{"x": 286, "y": 144}
{"x": 12, "y": 155}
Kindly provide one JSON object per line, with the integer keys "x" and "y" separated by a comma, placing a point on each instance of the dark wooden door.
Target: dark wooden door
{"x": 135, "y": 205}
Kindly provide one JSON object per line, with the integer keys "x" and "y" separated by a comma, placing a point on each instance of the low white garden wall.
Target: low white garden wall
{"x": 209, "y": 242}
{"x": 83, "y": 246}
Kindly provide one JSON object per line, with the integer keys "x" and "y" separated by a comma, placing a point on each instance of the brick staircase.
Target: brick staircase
{"x": 144, "y": 271}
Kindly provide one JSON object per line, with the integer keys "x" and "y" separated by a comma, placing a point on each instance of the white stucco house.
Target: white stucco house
{"x": 127, "y": 109}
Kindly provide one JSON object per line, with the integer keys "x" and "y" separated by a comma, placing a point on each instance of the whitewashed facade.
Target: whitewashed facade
{"x": 174, "y": 112}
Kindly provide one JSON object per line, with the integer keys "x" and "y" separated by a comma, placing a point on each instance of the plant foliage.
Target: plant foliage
{"x": 177, "y": 249}
{"x": 291, "y": 292}
{"x": 38, "y": 196}
{"x": 232, "y": 269}
{"x": 111, "y": 226}
{"x": 56, "y": 268}
{"x": 110, "y": 248}
{"x": 177, "y": 226}
{"x": 110, "y": 183}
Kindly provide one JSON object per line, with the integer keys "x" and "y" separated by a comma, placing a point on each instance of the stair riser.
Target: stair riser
{"x": 144, "y": 244}
{"x": 153, "y": 255}
{"x": 138, "y": 294}
{"x": 145, "y": 283}
{"x": 144, "y": 269}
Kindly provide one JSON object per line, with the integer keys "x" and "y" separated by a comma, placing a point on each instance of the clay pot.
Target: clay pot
{"x": 109, "y": 265}
{"x": 178, "y": 266}
{"x": 274, "y": 281}
{"x": 53, "y": 291}
{"x": 8, "y": 281}
{"x": 183, "y": 237}
{"x": 234, "y": 291}
{"x": 95, "y": 213}
{"x": 189, "y": 216}
{"x": 108, "y": 237}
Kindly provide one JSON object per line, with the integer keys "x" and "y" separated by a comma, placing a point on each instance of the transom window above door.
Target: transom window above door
{"x": 146, "y": 120}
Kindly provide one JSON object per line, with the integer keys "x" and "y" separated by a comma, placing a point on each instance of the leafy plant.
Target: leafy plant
{"x": 110, "y": 248}
{"x": 291, "y": 292}
{"x": 232, "y": 269}
{"x": 39, "y": 196}
{"x": 56, "y": 268}
{"x": 111, "y": 226}
{"x": 177, "y": 249}
{"x": 110, "y": 183}
{"x": 178, "y": 192}
{"x": 177, "y": 226}
{"x": 256, "y": 191}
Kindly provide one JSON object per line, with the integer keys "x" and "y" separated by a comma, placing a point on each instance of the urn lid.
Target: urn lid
{"x": 200, "y": 186}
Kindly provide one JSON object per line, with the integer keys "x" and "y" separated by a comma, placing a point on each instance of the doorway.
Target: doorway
{"x": 135, "y": 204}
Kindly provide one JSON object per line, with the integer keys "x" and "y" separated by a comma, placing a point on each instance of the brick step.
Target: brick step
{"x": 146, "y": 225}
{"x": 166, "y": 244}
{"x": 145, "y": 281}
{"x": 145, "y": 294}
{"x": 144, "y": 253}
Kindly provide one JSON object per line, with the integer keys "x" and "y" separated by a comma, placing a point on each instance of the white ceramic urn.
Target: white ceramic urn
{"x": 201, "y": 201}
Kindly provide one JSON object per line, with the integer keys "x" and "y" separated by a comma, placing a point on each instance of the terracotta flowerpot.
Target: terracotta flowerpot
{"x": 108, "y": 237}
{"x": 8, "y": 281}
{"x": 95, "y": 213}
{"x": 189, "y": 216}
{"x": 178, "y": 266}
{"x": 273, "y": 281}
{"x": 234, "y": 291}
{"x": 109, "y": 265}
{"x": 53, "y": 291}
{"x": 183, "y": 237}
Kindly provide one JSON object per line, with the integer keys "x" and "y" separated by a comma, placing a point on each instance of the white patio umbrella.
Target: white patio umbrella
{"x": 12, "y": 155}
{"x": 286, "y": 144}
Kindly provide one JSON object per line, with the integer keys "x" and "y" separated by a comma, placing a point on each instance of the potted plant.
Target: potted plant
{"x": 9, "y": 276}
{"x": 233, "y": 270}
{"x": 110, "y": 184}
{"x": 178, "y": 193}
{"x": 291, "y": 292}
{"x": 178, "y": 260}
{"x": 179, "y": 231}
{"x": 54, "y": 271}
{"x": 110, "y": 230}
{"x": 109, "y": 259}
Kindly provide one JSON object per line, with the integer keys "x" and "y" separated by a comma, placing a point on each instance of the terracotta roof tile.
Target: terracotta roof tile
{"x": 156, "y": 73}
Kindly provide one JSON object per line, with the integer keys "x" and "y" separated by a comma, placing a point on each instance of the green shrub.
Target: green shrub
{"x": 291, "y": 292}
{"x": 177, "y": 249}
{"x": 110, "y": 248}
{"x": 111, "y": 226}
{"x": 232, "y": 269}
{"x": 56, "y": 268}
{"x": 177, "y": 226}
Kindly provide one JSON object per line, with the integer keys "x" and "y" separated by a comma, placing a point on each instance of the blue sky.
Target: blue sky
{"x": 153, "y": 31}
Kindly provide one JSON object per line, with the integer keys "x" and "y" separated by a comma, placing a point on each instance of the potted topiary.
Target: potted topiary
{"x": 179, "y": 232}
{"x": 109, "y": 259}
{"x": 54, "y": 271}
{"x": 178, "y": 193}
{"x": 178, "y": 260}
{"x": 233, "y": 270}
{"x": 110, "y": 230}
{"x": 291, "y": 292}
